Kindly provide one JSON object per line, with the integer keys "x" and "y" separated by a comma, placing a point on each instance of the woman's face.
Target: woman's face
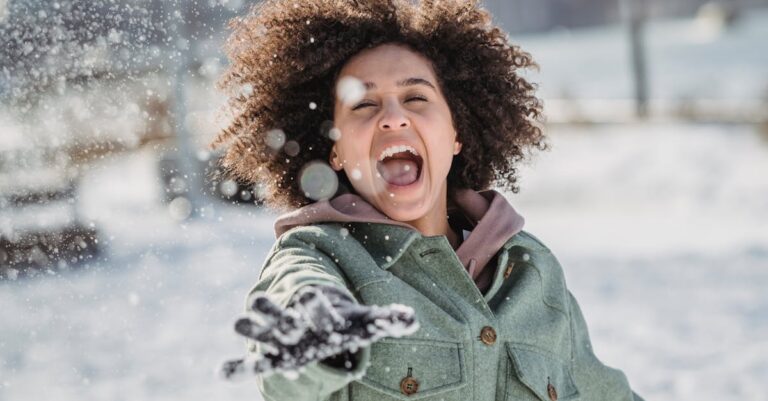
{"x": 397, "y": 138}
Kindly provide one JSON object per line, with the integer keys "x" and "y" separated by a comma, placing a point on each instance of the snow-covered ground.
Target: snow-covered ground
{"x": 661, "y": 230}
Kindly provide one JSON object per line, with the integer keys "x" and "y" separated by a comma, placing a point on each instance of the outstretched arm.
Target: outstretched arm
{"x": 303, "y": 323}
{"x": 320, "y": 322}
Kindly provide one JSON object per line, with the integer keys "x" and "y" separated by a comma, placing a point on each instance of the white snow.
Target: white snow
{"x": 275, "y": 138}
{"x": 3, "y": 10}
{"x": 356, "y": 174}
{"x": 350, "y": 90}
{"x": 180, "y": 208}
{"x": 334, "y": 133}
{"x": 318, "y": 180}
{"x": 13, "y": 136}
{"x": 228, "y": 187}
{"x": 36, "y": 217}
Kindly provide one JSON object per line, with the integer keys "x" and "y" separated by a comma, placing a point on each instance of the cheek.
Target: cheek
{"x": 441, "y": 155}
{"x": 354, "y": 153}
{"x": 442, "y": 147}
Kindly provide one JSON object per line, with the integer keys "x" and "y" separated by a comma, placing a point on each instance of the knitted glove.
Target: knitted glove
{"x": 320, "y": 323}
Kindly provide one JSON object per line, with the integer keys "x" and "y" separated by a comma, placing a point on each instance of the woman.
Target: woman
{"x": 375, "y": 124}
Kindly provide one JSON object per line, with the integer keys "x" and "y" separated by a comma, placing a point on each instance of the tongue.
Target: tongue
{"x": 399, "y": 171}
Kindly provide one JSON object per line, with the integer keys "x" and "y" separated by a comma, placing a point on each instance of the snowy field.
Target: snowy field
{"x": 661, "y": 230}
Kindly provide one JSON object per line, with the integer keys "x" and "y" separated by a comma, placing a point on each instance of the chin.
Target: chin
{"x": 403, "y": 213}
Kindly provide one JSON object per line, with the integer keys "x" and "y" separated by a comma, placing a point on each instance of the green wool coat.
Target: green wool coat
{"x": 524, "y": 340}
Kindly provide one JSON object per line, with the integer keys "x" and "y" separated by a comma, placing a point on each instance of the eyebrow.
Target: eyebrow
{"x": 406, "y": 82}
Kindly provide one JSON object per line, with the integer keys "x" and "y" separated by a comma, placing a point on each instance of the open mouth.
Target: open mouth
{"x": 400, "y": 165}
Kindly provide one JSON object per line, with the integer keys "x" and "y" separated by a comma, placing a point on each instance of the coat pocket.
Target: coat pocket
{"x": 414, "y": 369}
{"x": 534, "y": 374}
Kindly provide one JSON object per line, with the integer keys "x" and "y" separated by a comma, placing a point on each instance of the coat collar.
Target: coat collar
{"x": 491, "y": 220}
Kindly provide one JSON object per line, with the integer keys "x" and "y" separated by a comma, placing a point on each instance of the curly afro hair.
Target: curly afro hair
{"x": 285, "y": 56}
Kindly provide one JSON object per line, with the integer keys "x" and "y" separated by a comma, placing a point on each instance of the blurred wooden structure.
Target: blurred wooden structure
{"x": 41, "y": 227}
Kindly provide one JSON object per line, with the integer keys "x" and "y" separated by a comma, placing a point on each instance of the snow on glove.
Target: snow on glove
{"x": 319, "y": 322}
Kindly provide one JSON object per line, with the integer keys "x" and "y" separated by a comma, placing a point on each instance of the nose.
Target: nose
{"x": 393, "y": 119}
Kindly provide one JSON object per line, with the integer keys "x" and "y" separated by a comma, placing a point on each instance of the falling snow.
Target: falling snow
{"x": 350, "y": 90}
{"x": 180, "y": 208}
{"x": 275, "y": 138}
{"x": 334, "y": 133}
{"x": 318, "y": 181}
{"x": 356, "y": 174}
{"x": 292, "y": 148}
{"x": 228, "y": 187}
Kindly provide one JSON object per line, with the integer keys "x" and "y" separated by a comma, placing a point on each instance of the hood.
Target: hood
{"x": 487, "y": 215}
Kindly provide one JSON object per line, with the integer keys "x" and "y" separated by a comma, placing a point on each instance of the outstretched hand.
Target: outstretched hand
{"x": 318, "y": 323}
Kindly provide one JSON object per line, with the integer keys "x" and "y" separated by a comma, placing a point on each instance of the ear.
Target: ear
{"x": 333, "y": 159}
{"x": 456, "y": 147}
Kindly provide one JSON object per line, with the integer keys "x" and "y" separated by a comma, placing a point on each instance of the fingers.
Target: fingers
{"x": 394, "y": 320}
{"x": 269, "y": 322}
{"x": 401, "y": 313}
{"x": 261, "y": 304}
{"x": 238, "y": 369}
{"x": 230, "y": 370}
{"x": 290, "y": 329}
{"x": 286, "y": 331}
{"x": 264, "y": 317}
{"x": 317, "y": 310}
{"x": 400, "y": 320}
{"x": 252, "y": 328}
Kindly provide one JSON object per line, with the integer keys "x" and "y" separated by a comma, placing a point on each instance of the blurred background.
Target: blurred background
{"x": 125, "y": 254}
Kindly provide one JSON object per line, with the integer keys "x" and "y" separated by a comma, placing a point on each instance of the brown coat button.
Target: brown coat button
{"x": 509, "y": 270}
{"x": 488, "y": 335}
{"x": 551, "y": 391}
{"x": 409, "y": 385}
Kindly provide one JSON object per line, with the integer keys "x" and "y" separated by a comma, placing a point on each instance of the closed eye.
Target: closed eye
{"x": 416, "y": 98}
{"x": 363, "y": 105}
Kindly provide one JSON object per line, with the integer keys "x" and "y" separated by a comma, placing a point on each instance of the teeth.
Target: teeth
{"x": 396, "y": 149}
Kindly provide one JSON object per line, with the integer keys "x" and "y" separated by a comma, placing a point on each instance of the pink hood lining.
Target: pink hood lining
{"x": 493, "y": 219}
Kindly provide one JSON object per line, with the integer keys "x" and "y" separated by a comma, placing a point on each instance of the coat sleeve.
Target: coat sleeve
{"x": 594, "y": 380}
{"x": 292, "y": 264}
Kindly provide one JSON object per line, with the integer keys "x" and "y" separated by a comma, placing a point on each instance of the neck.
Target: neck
{"x": 435, "y": 222}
